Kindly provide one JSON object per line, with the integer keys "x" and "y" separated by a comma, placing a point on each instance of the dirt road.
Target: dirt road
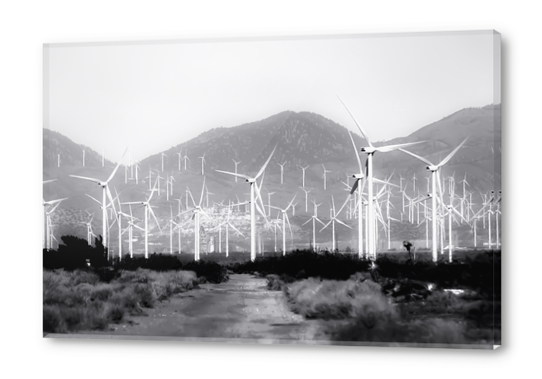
{"x": 242, "y": 308}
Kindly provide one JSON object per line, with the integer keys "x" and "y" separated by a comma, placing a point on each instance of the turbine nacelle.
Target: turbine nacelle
{"x": 251, "y": 180}
{"x": 432, "y": 168}
{"x": 368, "y": 149}
{"x": 358, "y": 176}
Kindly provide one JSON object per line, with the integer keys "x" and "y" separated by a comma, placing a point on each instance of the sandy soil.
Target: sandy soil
{"x": 242, "y": 308}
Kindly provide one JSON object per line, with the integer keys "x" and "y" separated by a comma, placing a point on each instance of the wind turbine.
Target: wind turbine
{"x": 103, "y": 157}
{"x": 88, "y": 224}
{"x": 314, "y": 218}
{"x": 435, "y": 181}
{"x": 48, "y": 213}
{"x": 58, "y": 160}
{"x": 370, "y": 151}
{"x": 251, "y": 181}
{"x": 284, "y": 219}
{"x": 333, "y": 220}
{"x": 83, "y": 157}
{"x": 197, "y": 209}
{"x": 228, "y": 224}
{"x": 163, "y": 155}
{"x": 105, "y": 193}
{"x": 147, "y": 210}
{"x": 185, "y": 158}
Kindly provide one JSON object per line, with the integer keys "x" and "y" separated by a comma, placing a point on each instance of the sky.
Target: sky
{"x": 150, "y": 96}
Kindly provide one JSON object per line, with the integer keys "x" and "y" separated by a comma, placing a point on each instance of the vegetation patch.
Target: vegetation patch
{"x": 78, "y": 300}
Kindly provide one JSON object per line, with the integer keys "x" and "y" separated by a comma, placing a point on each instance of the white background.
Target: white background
{"x": 26, "y": 25}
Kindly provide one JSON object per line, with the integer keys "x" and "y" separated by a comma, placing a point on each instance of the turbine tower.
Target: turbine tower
{"x": 236, "y": 163}
{"x": 281, "y": 172}
{"x": 303, "y": 169}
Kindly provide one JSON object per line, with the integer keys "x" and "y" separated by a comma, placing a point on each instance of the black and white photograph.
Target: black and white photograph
{"x": 317, "y": 190}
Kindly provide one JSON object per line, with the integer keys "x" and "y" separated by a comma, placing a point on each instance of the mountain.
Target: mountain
{"x": 479, "y": 159}
{"x": 301, "y": 138}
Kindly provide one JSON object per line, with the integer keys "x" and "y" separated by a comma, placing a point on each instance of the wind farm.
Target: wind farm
{"x": 319, "y": 224}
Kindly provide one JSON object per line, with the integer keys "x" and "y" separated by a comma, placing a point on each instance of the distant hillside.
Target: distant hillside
{"x": 71, "y": 153}
{"x": 302, "y": 139}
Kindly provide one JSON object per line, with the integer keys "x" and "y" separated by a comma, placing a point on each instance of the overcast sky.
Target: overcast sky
{"x": 152, "y": 96}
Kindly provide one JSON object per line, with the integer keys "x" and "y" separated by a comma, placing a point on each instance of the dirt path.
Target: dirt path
{"x": 241, "y": 308}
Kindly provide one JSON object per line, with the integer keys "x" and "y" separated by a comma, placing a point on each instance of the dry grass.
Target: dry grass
{"x": 77, "y": 300}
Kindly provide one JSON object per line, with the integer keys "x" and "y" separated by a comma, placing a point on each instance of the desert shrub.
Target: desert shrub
{"x": 79, "y": 300}
{"x": 145, "y": 294}
{"x": 52, "y": 320}
{"x": 138, "y": 276}
{"x": 392, "y": 329}
{"x": 212, "y": 271}
{"x": 83, "y": 276}
{"x": 305, "y": 264}
{"x": 442, "y": 302}
{"x": 74, "y": 317}
{"x": 101, "y": 292}
{"x": 330, "y": 299}
{"x": 278, "y": 283}
{"x": 115, "y": 313}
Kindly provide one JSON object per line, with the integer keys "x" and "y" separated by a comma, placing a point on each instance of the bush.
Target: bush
{"x": 278, "y": 283}
{"x": 303, "y": 264}
{"x": 52, "y": 320}
{"x": 77, "y": 300}
{"x": 393, "y": 330}
{"x": 330, "y": 299}
{"x": 212, "y": 271}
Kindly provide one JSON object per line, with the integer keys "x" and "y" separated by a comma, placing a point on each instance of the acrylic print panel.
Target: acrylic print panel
{"x": 339, "y": 190}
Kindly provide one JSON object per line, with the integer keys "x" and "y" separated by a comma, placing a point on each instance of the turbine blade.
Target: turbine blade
{"x": 234, "y": 174}
{"x": 344, "y": 205}
{"x": 289, "y": 225}
{"x": 445, "y": 160}
{"x": 290, "y": 204}
{"x": 96, "y": 200}
{"x": 355, "y": 151}
{"x": 306, "y": 222}
{"x": 138, "y": 227}
{"x": 85, "y": 178}
{"x": 111, "y": 199}
{"x": 234, "y": 228}
{"x": 342, "y": 223}
{"x": 386, "y": 149}
{"x": 417, "y": 157}
{"x": 154, "y": 216}
{"x": 152, "y": 191}
{"x": 326, "y": 225}
{"x": 116, "y": 168}
{"x": 266, "y": 163}
{"x": 363, "y": 133}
